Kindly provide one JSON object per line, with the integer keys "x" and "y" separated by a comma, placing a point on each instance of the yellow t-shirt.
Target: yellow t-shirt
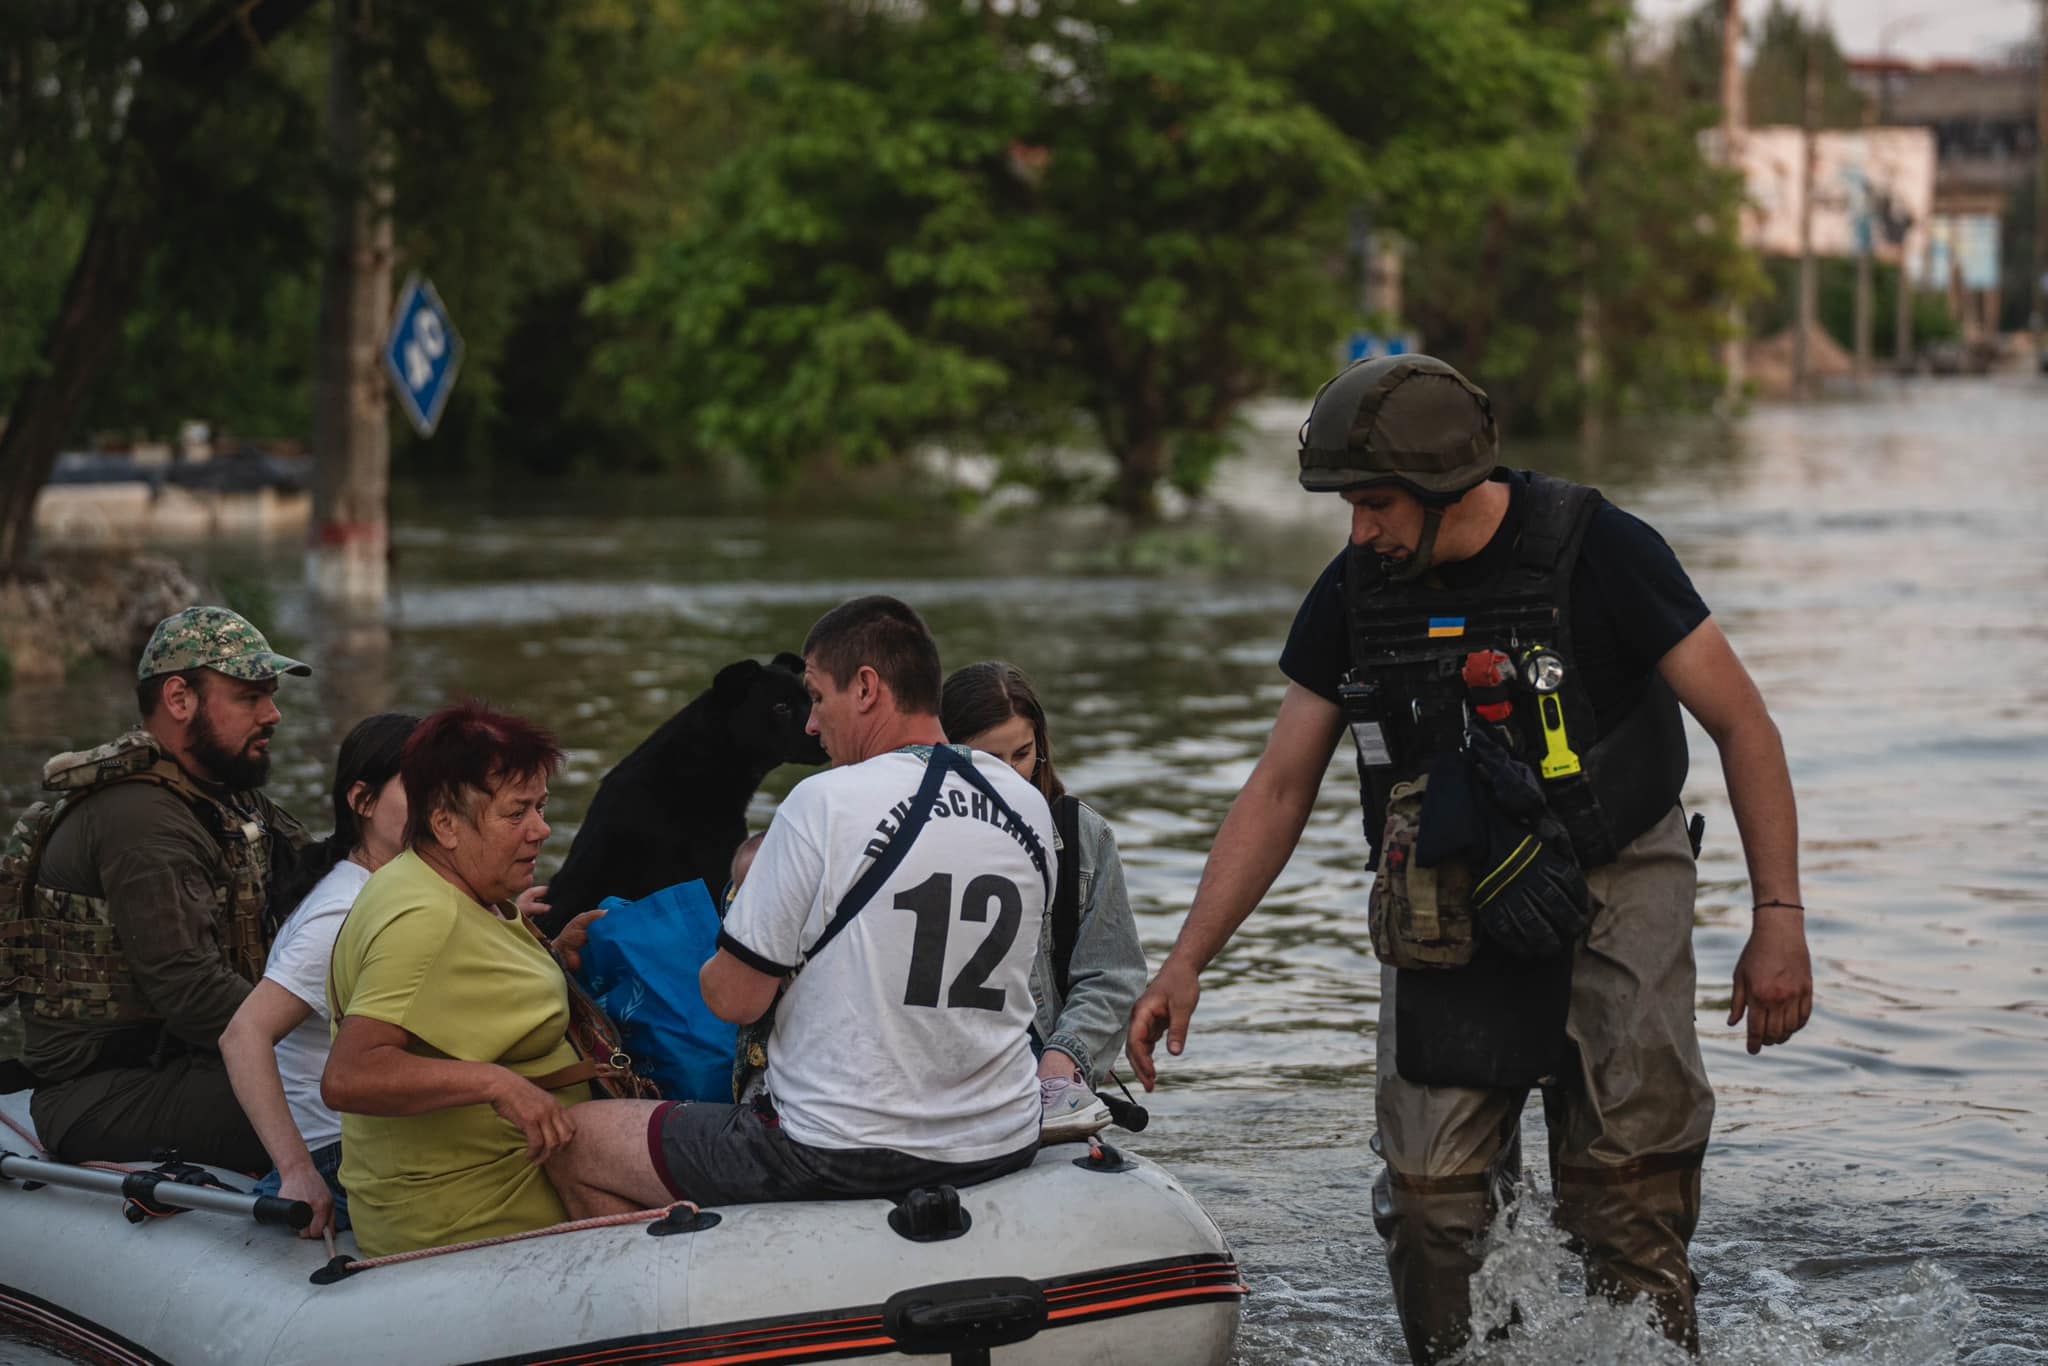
{"x": 416, "y": 952}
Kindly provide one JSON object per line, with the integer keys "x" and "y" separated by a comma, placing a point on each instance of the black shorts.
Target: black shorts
{"x": 734, "y": 1155}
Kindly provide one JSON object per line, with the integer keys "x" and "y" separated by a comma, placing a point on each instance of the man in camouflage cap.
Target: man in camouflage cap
{"x": 136, "y": 907}
{"x": 1490, "y": 631}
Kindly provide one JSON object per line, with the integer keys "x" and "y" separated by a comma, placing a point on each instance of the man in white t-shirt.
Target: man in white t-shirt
{"x": 899, "y": 896}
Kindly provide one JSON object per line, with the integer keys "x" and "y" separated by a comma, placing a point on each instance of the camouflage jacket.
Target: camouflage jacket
{"x": 90, "y": 946}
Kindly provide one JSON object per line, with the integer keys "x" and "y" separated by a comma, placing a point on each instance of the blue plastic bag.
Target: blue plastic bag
{"x": 641, "y": 966}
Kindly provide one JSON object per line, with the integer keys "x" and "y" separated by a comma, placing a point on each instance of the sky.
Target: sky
{"x": 1918, "y": 30}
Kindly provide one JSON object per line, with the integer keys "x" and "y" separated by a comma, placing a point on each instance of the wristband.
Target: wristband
{"x": 1787, "y": 905}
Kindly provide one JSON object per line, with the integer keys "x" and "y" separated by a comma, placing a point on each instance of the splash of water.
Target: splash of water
{"x": 1529, "y": 1308}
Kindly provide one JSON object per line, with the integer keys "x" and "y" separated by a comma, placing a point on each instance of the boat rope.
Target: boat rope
{"x": 342, "y": 1266}
{"x": 28, "y": 1134}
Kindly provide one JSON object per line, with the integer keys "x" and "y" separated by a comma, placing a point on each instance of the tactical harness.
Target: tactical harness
{"x": 1467, "y": 1013}
{"x": 1405, "y": 696}
{"x": 60, "y": 952}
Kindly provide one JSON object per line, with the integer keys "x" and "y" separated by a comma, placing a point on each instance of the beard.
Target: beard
{"x": 236, "y": 772}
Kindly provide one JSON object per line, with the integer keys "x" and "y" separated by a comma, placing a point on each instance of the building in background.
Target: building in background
{"x": 1984, "y": 122}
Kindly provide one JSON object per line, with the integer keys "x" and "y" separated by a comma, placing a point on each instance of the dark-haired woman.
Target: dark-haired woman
{"x": 1084, "y": 1004}
{"x": 451, "y": 1017}
{"x": 275, "y": 1047}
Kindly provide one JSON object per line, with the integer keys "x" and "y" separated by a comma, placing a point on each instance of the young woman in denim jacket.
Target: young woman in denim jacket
{"x": 992, "y": 707}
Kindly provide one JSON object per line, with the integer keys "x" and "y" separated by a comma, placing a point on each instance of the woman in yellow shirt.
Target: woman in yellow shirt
{"x": 447, "y": 1009}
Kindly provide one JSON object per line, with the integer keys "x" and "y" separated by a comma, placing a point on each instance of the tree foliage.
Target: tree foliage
{"x": 794, "y": 232}
{"x": 950, "y": 222}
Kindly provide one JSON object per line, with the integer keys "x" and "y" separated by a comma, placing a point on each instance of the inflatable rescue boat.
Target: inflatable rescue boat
{"x": 1088, "y": 1255}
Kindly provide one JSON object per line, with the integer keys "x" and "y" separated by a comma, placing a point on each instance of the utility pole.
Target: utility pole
{"x": 1733, "y": 117}
{"x": 1809, "y": 283}
{"x": 2041, "y": 193}
{"x": 346, "y": 557}
{"x": 1865, "y": 231}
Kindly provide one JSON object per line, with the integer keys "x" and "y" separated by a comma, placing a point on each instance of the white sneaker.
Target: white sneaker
{"x": 1068, "y": 1110}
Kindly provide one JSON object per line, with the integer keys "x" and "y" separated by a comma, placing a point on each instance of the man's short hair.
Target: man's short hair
{"x": 462, "y": 754}
{"x": 886, "y": 635}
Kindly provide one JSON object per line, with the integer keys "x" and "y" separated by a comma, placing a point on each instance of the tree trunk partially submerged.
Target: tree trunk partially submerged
{"x": 172, "y": 92}
{"x": 347, "y": 557}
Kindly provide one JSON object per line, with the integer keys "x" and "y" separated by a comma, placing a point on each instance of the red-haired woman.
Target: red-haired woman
{"x": 448, "y": 1008}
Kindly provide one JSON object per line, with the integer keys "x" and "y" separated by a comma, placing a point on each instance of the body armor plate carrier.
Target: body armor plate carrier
{"x": 59, "y": 950}
{"x": 1405, "y": 697}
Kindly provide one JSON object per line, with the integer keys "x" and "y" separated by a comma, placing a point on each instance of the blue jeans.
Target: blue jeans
{"x": 326, "y": 1161}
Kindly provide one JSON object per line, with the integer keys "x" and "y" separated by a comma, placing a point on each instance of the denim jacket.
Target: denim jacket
{"x": 1108, "y": 967}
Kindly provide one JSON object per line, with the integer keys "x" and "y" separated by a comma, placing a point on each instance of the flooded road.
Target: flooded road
{"x": 1877, "y": 1191}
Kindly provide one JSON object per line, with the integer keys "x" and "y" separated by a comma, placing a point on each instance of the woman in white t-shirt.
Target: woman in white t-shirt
{"x": 276, "y": 1045}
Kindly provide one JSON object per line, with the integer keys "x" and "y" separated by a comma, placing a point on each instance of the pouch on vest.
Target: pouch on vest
{"x": 1487, "y": 810}
{"x": 1498, "y": 1022}
{"x": 641, "y": 967}
{"x": 1420, "y": 916}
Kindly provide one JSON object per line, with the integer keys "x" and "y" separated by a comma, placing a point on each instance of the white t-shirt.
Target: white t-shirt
{"x": 910, "y": 1029}
{"x": 298, "y": 963}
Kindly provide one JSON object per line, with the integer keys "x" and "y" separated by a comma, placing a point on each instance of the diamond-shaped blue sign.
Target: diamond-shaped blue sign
{"x": 422, "y": 353}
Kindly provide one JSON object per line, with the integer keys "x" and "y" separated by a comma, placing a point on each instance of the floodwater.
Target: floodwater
{"x": 1876, "y": 1192}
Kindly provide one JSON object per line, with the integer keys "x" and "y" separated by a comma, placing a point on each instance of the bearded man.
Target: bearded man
{"x": 139, "y": 911}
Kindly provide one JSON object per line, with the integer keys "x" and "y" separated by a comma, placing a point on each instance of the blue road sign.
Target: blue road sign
{"x": 1369, "y": 346}
{"x": 422, "y": 353}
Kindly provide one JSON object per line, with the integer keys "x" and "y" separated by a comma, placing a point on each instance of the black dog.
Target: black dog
{"x": 676, "y": 807}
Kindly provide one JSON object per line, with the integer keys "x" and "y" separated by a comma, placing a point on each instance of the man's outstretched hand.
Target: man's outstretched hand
{"x": 1164, "y": 1009}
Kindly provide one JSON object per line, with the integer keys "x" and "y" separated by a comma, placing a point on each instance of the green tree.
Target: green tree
{"x": 141, "y": 79}
{"x": 1786, "y": 41}
{"x": 1606, "y": 292}
{"x": 945, "y": 222}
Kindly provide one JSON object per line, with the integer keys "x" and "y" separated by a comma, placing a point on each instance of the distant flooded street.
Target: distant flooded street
{"x": 1877, "y": 1191}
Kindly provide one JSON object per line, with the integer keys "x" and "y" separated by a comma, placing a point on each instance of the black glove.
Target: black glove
{"x": 1541, "y": 910}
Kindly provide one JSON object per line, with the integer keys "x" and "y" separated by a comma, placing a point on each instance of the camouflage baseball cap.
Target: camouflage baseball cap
{"x": 1408, "y": 420}
{"x": 213, "y": 638}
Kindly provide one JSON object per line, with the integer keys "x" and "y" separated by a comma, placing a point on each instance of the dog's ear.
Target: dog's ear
{"x": 735, "y": 680}
{"x": 793, "y": 663}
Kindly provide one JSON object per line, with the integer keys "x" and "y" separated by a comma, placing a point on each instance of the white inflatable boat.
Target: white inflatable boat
{"x": 1070, "y": 1260}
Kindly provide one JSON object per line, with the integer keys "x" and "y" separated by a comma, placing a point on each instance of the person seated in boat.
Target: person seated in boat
{"x": 153, "y": 896}
{"x": 750, "y": 1052}
{"x": 1090, "y": 966}
{"x": 742, "y": 862}
{"x": 900, "y": 1054}
{"x": 451, "y": 1017}
{"x": 276, "y": 1045}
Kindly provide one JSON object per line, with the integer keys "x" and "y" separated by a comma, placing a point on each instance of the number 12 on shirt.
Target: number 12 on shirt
{"x": 931, "y": 901}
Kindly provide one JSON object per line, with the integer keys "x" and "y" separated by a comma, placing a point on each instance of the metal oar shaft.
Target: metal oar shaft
{"x": 155, "y": 1189}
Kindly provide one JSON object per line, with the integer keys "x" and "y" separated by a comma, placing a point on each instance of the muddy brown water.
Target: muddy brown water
{"x": 1876, "y": 1192}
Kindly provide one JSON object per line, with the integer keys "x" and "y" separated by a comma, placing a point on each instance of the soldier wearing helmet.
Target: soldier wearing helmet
{"x": 136, "y": 904}
{"x": 1510, "y": 652}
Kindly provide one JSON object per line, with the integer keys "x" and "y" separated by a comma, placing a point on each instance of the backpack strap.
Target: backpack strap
{"x": 1066, "y": 903}
{"x": 944, "y": 759}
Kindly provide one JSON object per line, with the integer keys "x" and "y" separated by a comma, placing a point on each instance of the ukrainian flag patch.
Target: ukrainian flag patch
{"x": 1443, "y": 627}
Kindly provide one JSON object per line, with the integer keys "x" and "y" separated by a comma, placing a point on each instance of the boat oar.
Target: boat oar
{"x": 154, "y": 1190}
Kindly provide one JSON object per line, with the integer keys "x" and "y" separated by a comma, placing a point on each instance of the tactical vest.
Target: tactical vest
{"x": 59, "y": 950}
{"x": 1406, "y": 698}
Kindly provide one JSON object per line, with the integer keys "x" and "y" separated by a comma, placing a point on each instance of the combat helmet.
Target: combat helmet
{"x": 1407, "y": 420}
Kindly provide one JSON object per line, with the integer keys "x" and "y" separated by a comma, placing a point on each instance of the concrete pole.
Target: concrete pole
{"x": 2041, "y": 194}
{"x": 1902, "y": 317}
{"x": 1809, "y": 279}
{"x": 1864, "y": 307}
{"x": 346, "y": 557}
{"x": 1734, "y": 116}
